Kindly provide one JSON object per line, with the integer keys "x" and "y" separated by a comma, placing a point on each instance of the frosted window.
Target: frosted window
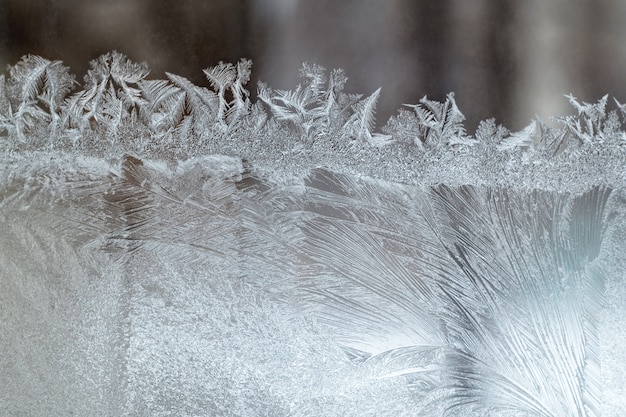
{"x": 170, "y": 249}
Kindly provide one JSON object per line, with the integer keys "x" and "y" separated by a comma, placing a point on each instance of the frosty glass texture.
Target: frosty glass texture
{"x": 168, "y": 249}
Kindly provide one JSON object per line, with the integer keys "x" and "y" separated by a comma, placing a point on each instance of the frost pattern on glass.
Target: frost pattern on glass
{"x": 171, "y": 249}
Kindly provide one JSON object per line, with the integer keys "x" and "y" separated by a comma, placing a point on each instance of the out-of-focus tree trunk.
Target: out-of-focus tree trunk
{"x": 501, "y": 64}
{"x": 431, "y": 41}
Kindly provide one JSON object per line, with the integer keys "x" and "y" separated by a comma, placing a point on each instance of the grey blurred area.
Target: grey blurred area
{"x": 506, "y": 59}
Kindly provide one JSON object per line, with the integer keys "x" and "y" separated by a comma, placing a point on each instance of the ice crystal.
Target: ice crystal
{"x": 173, "y": 249}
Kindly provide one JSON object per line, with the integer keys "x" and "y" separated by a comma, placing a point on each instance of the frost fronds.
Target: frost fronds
{"x": 111, "y": 93}
{"x": 404, "y": 128}
{"x": 221, "y": 78}
{"x": 522, "y": 139}
{"x": 226, "y": 76}
{"x": 440, "y": 123}
{"x": 314, "y": 107}
{"x": 488, "y": 132}
{"x": 482, "y": 306}
{"x": 240, "y": 104}
{"x": 119, "y": 109}
{"x": 35, "y": 93}
{"x": 361, "y": 124}
{"x": 517, "y": 347}
{"x": 422, "y": 271}
{"x": 178, "y": 109}
{"x": 592, "y": 123}
{"x": 40, "y": 80}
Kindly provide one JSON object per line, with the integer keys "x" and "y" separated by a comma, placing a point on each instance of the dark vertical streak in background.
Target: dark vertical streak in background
{"x": 4, "y": 32}
{"x": 431, "y": 41}
{"x": 500, "y": 64}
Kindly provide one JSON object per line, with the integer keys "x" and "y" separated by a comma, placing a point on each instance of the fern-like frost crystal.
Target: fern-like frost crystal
{"x": 169, "y": 248}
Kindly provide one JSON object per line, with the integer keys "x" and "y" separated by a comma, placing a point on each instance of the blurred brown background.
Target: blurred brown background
{"x": 504, "y": 58}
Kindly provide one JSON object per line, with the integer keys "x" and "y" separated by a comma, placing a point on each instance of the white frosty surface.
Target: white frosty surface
{"x": 147, "y": 288}
{"x": 172, "y": 249}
